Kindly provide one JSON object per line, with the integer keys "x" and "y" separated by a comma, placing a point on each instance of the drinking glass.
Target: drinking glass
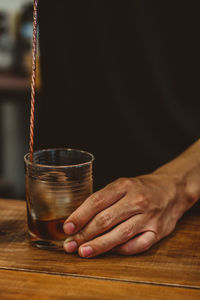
{"x": 57, "y": 182}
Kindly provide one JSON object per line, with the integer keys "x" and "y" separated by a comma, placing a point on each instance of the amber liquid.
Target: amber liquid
{"x": 51, "y": 230}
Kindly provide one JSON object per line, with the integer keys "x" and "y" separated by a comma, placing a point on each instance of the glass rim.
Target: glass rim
{"x": 29, "y": 163}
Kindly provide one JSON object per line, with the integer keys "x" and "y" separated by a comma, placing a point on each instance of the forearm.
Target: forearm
{"x": 185, "y": 172}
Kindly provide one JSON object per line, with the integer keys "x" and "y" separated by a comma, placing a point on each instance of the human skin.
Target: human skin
{"x": 129, "y": 215}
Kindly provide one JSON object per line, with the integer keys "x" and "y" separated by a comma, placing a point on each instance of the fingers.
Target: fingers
{"x": 93, "y": 205}
{"x": 138, "y": 244}
{"x": 113, "y": 238}
{"x": 102, "y": 222}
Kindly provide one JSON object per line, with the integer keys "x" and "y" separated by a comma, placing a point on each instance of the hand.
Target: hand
{"x": 127, "y": 216}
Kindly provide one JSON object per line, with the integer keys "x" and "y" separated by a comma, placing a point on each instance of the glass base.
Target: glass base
{"x": 45, "y": 244}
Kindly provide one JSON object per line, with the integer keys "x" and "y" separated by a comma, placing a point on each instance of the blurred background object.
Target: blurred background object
{"x": 15, "y": 70}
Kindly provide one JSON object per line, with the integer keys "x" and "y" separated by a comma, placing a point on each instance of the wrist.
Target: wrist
{"x": 186, "y": 182}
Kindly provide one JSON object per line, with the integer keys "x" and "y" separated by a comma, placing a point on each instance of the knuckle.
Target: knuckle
{"x": 78, "y": 218}
{"x": 103, "y": 220}
{"x": 127, "y": 231}
{"x": 96, "y": 201}
{"x": 125, "y": 182}
{"x": 143, "y": 201}
{"x": 81, "y": 236}
{"x": 76, "y": 215}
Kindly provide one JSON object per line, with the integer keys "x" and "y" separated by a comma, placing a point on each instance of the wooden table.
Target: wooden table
{"x": 170, "y": 270}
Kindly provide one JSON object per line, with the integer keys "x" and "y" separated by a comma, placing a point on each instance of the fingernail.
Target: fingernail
{"x": 69, "y": 228}
{"x": 86, "y": 251}
{"x": 70, "y": 246}
{"x": 69, "y": 239}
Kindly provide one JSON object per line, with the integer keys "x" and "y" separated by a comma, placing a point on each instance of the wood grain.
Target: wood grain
{"x": 16, "y": 285}
{"x": 173, "y": 261}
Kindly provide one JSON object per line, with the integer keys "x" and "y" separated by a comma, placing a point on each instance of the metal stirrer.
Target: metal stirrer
{"x": 33, "y": 78}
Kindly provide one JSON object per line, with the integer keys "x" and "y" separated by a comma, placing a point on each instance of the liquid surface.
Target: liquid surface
{"x": 46, "y": 229}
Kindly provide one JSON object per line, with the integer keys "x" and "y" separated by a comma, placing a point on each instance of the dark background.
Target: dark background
{"x": 120, "y": 79}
